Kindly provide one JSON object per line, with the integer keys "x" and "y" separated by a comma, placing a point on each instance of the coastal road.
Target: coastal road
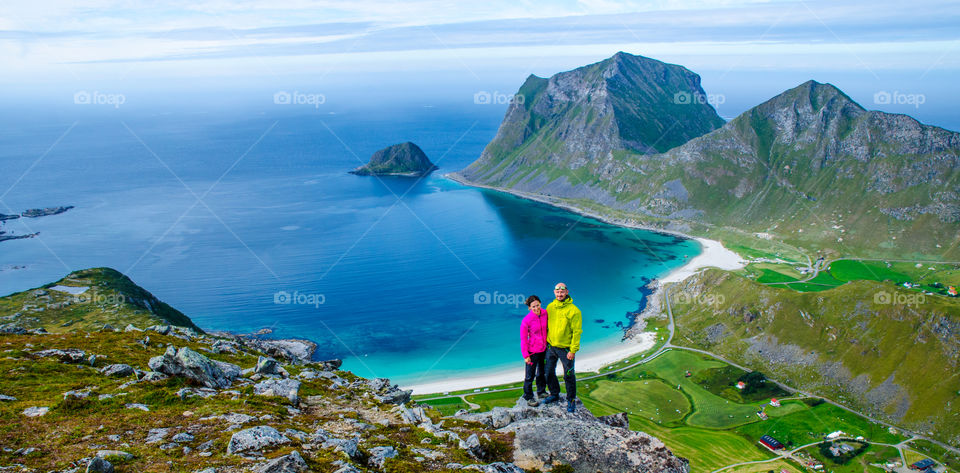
{"x": 822, "y": 265}
{"x": 790, "y": 454}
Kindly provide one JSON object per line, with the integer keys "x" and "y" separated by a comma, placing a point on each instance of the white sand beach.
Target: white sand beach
{"x": 713, "y": 255}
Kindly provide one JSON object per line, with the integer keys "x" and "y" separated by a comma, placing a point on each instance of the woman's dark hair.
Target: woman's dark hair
{"x": 533, "y": 298}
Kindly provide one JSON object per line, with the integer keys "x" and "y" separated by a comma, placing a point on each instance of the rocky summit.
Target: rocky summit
{"x": 171, "y": 398}
{"x": 404, "y": 159}
{"x": 545, "y": 434}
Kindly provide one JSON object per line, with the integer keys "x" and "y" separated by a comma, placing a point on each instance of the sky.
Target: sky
{"x": 206, "y": 50}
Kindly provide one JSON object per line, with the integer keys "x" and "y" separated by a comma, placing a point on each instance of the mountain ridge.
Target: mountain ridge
{"x": 803, "y": 153}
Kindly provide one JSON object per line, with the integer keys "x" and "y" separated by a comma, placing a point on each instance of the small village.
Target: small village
{"x": 835, "y": 447}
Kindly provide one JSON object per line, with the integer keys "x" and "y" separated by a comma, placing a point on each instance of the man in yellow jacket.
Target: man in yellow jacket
{"x": 564, "y": 326}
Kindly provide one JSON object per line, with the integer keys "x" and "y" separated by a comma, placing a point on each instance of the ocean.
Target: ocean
{"x": 248, "y": 220}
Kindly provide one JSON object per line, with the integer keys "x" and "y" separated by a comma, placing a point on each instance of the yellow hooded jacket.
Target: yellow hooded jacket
{"x": 564, "y": 324}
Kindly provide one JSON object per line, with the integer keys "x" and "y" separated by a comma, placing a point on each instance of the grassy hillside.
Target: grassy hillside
{"x": 873, "y": 346}
{"x": 86, "y": 300}
{"x": 107, "y": 417}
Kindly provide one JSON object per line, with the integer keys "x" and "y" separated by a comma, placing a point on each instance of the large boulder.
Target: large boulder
{"x": 379, "y": 455}
{"x": 579, "y": 439}
{"x": 190, "y": 364}
{"x": 293, "y": 350}
{"x": 292, "y": 463}
{"x": 267, "y": 365}
{"x": 69, "y": 355}
{"x": 288, "y": 388}
{"x": 230, "y": 370}
{"x": 351, "y": 446}
{"x": 99, "y": 465}
{"x": 118, "y": 370}
{"x": 388, "y": 393}
{"x": 255, "y": 439}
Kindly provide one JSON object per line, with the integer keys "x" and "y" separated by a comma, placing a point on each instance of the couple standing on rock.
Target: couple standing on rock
{"x": 547, "y": 336}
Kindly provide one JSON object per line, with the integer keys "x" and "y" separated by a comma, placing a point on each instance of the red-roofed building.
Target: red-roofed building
{"x": 771, "y": 442}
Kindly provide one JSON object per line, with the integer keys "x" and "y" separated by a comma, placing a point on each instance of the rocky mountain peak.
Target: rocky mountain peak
{"x": 625, "y": 103}
{"x": 812, "y": 100}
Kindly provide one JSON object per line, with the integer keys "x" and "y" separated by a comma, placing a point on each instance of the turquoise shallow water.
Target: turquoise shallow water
{"x": 413, "y": 280}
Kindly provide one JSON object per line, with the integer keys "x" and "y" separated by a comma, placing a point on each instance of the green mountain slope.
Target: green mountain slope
{"x": 893, "y": 355}
{"x": 86, "y": 300}
{"x": 812, "y": 167}
{"x": 809, "y": 167}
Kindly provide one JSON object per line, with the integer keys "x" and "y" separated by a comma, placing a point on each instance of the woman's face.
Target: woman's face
{"x": 535, "y": 307}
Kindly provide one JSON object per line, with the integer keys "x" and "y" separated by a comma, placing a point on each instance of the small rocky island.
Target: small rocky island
{"x": 34, "y": 213}
{"x": 404, "y": 159}
{"x": 30, "y": 213}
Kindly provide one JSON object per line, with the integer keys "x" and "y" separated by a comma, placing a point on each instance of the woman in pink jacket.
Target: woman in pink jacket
{"x": 533, "y": 347}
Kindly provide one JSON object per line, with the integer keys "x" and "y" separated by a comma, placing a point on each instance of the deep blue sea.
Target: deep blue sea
{"x": 248, "y": 220}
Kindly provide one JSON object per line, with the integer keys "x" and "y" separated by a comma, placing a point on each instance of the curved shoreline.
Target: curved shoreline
{"x": 712, "y": 254}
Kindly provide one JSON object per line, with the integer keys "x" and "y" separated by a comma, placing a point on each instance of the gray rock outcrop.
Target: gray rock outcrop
{"x": 578, "y": 439}
{"x": 99, "y": 465}
{"x": 295, "y": 351}
{"x": 255, "y": 439}
{"x": 69, "y": 355}
{"x": 190, "y": 364}
{"x": 288, "y": 388}
{"x": 388, "y": 393}
{"x": 379, "y": 456}
{"x": 292, "y": 463}
{"x": 118, "y": 370}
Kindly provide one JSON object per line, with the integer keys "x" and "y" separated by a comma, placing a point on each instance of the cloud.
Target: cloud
{"x": 177, "y": 32}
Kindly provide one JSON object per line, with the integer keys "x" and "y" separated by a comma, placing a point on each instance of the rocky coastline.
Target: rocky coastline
{"x": 29, "y": 213}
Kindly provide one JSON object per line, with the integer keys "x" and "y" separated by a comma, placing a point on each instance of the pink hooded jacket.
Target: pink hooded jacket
{"x": 533, "y": 333}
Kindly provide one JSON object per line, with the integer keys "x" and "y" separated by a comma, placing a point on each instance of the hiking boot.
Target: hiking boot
{"x": 551, "y": 399}
{"x": 533, "y": 402}
{"x": 571, "y": 405}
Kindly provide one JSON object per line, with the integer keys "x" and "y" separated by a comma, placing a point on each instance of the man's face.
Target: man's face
{"x": 560, "y": 291}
